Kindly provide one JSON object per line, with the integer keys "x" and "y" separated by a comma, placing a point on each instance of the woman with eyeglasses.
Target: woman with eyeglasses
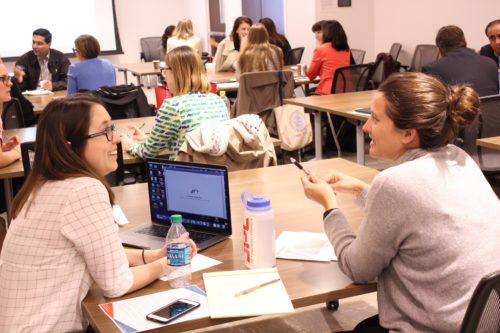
{"x": 63, "y": 237}
{"x": 10, "y": 150}
{"x": 90, "y": 72}
{"x": 192, "y": 103}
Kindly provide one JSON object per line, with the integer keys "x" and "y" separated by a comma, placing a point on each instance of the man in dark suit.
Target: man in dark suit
{"x": 492, "y": 50}
{"x": 460, "y": 65}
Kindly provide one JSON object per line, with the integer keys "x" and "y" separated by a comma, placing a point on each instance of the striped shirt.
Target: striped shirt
{"x": 178, "y": 116}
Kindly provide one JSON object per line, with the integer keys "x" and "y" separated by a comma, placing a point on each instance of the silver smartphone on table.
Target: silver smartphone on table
{"x": 173, "y": 310}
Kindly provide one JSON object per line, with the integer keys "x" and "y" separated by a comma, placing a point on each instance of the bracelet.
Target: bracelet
{"x": 327, "y": 212}
{"x": 143, "y": 260}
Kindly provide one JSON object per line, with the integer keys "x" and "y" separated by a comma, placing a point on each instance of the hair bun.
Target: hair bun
{"x": 463, "y": 105}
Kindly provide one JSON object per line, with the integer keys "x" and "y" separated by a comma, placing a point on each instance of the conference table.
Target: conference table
{"x": 306, "y": 282}
{"x": 40, "y": 101}
{"x": 342, "y": 105}
{"x": 224, "y": 80}
{"x": 492, "y": 143}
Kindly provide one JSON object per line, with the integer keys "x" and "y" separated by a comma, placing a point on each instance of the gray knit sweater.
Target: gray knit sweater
{"x": 431, "y": 231}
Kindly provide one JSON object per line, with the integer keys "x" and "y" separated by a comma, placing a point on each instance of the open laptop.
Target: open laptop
{"x": 199, "y": 192}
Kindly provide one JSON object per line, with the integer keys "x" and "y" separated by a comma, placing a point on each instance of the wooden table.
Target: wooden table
{"x": 492, "y": 143}
{"x": 306, "y": 282}
{"x": 138, "y": 69}
{"x": 341, "y": 105}
{"x": 40, "y": 101}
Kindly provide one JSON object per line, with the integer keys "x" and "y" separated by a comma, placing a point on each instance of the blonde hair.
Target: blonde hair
{"x": 187, "y": 71}
{"x": 260, "y": 55}
{"x": 184, "y": 29}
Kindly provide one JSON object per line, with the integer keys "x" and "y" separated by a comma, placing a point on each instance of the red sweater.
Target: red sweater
{"x": 324, "y": 63}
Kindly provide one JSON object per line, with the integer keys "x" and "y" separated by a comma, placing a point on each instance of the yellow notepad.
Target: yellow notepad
{"x": 246, "y": 293}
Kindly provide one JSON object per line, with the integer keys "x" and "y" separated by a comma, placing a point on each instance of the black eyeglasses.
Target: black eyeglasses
{"x": 4, "y": 79}
{"x": 164, "y": 70}
{"x": 108, "y": 132}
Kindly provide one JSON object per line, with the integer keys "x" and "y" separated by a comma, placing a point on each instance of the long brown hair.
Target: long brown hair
{"x": 260, "y": 55}
{"x": 416, "y": 100}
{"x": 60, "y": 143}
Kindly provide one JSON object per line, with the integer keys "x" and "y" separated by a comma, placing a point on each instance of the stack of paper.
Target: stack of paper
{"x": 246, "y": 293}
{"x": 37, "y": 92}
{"x": 312, "y": 246}
{"x": 130, "y": 314}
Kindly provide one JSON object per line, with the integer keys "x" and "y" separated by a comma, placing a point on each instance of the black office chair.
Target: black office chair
{"x": 150, "y": 48}
{"x": 483, "y": 312}
{"x": 348, "y": 79}
{"x": 424, "y": 54}
{"x": 12, "y": 116}
{"x": 395, "y": 50}
{"x": 487, "y": 125}
{"x": 294, "y": 56}
{"x": 358, "y": 55}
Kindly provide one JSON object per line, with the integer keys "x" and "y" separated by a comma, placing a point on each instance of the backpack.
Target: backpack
{"x": 125, "y": 101}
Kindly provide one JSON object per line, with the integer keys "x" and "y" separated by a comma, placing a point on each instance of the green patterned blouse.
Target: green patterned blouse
{"x": 176, "y": 117}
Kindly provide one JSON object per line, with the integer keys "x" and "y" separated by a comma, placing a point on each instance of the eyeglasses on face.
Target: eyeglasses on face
{"x": 108, "y": 132}
{"x": 5, "y": 79}
{"x": 164, "y": 70}
{"x": 74, "y": 50}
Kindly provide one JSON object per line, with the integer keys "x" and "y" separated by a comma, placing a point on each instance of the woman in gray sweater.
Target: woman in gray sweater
{"x": 431, "y": 227}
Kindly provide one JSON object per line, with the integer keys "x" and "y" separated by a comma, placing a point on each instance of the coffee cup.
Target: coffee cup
{"x": 210, "y": 67}
{"x": 156, "y": 65}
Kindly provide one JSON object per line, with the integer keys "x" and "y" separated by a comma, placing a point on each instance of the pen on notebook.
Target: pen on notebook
{"x": 143, "y": 124}
{"x": 252, "y": 289}
{"x": 298, "y": 165}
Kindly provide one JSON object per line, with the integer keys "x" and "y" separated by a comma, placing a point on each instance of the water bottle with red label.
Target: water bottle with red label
{"x": 258, "y": 231}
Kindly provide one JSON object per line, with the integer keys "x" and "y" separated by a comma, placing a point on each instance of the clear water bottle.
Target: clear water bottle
{"x": 258, "y": 231}
{"x": 178, "y": 254}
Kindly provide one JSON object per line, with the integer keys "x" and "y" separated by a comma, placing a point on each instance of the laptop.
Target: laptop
{"x": 199, "y": 192}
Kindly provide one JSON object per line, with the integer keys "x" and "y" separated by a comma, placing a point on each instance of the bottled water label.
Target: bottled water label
{"x": 178, "y": 254}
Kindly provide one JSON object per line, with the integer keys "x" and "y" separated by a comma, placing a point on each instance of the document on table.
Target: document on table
{"x": 199, "y": 262}
{"x": 37, "y": 92}
{"x": 312, "y": 246}
{"x": 246, "y": 293}
{"x": 130, "y": 314}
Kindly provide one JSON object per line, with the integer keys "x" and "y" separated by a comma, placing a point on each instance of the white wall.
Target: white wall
{"x": 299, "y": 17}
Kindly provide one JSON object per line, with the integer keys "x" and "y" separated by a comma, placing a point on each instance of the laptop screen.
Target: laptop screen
{"x": 199, "y": 192}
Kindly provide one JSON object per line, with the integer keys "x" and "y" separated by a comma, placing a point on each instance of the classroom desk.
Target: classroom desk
{"x": 341, "y": 105}
{"x": 306, "y": 282}
{"x": 138, "y": 69}
{"x": 492, "y": 143}
{"x": 40, "y": 101}
{"x": 16, "y": 169}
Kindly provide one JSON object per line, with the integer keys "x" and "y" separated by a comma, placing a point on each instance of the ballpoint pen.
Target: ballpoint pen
{"x": 298, "y": 165}
{"x": 143, "y": 124}
{"x": 252, "y": 289}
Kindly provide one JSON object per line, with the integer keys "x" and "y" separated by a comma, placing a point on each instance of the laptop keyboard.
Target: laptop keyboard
{"x": 161, "y": 231}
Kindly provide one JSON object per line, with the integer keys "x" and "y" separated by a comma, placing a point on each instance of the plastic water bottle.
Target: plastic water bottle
{"x": 258, "y": 231}
{"x": 178, "y": 254}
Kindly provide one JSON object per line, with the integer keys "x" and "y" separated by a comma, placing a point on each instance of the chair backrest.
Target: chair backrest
{"x": 486, "y": 125}
{"x": 12, "y": 115}
{"x": 151, "y": 48}
{"x": 294, "y": 56}
{"x": 483, "y": 312}
{"x": 383, "y": 67}
{"x": 241, "y": 143}
{"x": 424, "y": 54}
{"x": 358, "y": 55}
{"x": 3, "y": 231}
{"x": 115, "y": 178}
{"x": 125, "y": 101}
{"x": 27, "y": 155}
{"x": 351, "y": 78}
{"x": 258, "y": 93}
{"x": 395, "y": 50}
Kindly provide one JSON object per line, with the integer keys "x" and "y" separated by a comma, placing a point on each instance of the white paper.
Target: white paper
{"x": 37, "y": 92}
{"x": 312, "y": 246}
{"x": 130, "y": 314}
{"x": 119, "y": 215}
{"x": 199, "y": 262}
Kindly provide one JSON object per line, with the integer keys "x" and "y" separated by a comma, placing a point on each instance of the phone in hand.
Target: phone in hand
{"x": 173, "y": 310}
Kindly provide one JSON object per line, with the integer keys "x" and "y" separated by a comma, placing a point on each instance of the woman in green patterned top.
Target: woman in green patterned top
{"x": 191, "y": 104}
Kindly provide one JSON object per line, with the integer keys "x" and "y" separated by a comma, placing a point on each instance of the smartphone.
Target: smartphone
{"x": 173, "y": 310}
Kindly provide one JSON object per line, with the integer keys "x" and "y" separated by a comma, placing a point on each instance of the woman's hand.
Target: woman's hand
{"x": 138, "y": 134}
{"x": 12, "y": 143}
{"x": 343, "y": 183}
{"x": 126, "y": 141}
{"x": 319, "y": 190}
